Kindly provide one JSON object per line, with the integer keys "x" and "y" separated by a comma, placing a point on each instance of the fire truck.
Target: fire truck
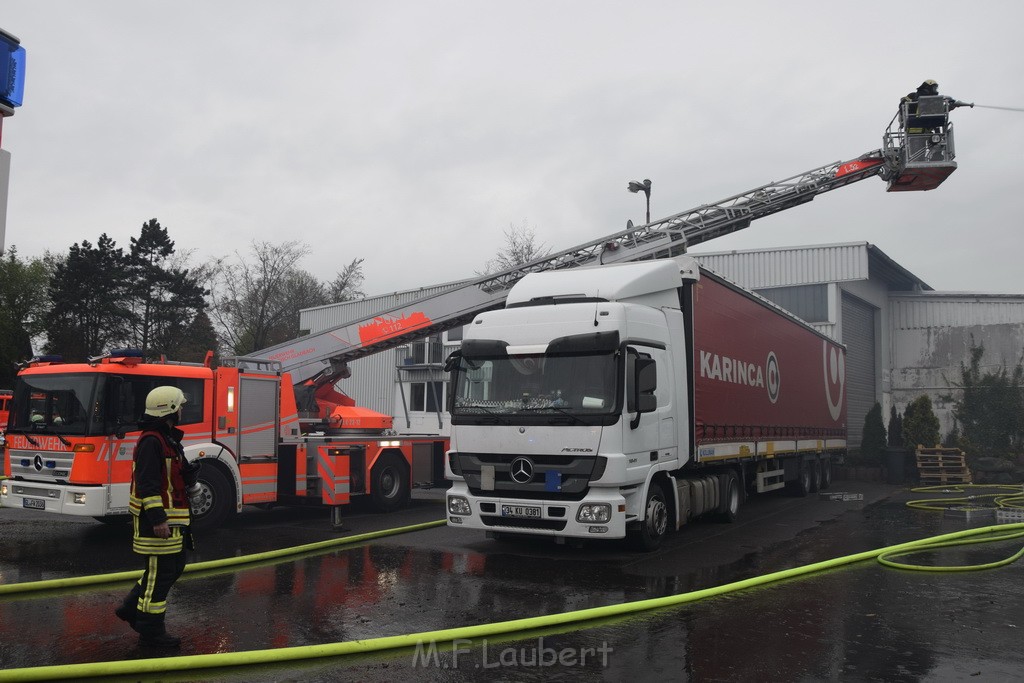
{"x": 72, "y": 432}
{"x": 272, "y": 428}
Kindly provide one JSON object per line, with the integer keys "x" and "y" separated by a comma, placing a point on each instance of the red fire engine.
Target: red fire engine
{"x": 72, "y": 432}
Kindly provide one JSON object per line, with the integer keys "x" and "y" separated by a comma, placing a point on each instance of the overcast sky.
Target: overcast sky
{"x": 414, "y": 134}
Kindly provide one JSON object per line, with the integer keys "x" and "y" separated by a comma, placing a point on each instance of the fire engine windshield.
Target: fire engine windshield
{"x": 535, "y": 386}
{"x": 90, "y": 404}
{"x": 55, "y": 404}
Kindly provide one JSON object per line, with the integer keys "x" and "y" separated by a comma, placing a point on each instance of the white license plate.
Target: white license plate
{"x": 34, "y": 503}
{"x": 528, "y": 511}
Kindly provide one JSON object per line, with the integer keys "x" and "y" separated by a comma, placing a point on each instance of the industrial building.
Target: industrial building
{"x": 903, "y": 338}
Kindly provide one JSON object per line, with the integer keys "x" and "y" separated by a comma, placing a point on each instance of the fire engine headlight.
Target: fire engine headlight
{"x": 594, "y": 513}
{"x": 78, "y": 498}
{"x": 458, "y": 505}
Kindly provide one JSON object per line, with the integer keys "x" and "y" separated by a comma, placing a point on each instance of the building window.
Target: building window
{"x": 426, "y": 396}
{"x": 807, "y": 302}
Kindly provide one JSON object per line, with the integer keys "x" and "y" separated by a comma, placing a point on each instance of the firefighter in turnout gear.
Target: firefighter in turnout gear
{"x": 162, "y": 482}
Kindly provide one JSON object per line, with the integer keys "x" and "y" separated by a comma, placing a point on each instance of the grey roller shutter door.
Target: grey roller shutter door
{"x": 257, "y": 417}
{"x": 859, "y": 338}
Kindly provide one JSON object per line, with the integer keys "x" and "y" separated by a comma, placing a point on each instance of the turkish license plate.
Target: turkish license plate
{"x": 34, "y": 503}
{"x": 527, "y": 511}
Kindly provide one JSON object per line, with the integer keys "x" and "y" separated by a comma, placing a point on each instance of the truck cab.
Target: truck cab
{"x": 556, "y": 428}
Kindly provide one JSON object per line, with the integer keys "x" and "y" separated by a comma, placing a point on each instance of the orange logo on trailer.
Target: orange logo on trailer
{"x": 385, "y": 328}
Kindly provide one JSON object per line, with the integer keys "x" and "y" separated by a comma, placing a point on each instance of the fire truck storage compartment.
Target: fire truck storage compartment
{"x": 257, "y": 418}
{"x": 428, "y": 464}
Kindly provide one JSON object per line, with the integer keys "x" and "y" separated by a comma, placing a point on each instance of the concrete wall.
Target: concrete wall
{"x": 927, "y": 361}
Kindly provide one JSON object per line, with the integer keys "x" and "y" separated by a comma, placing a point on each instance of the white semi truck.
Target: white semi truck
{"x": 628, "y": 399}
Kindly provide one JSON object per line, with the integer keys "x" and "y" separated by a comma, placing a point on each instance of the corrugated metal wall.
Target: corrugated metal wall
{"x": 790, "y": 266}
{"x": 955, "y": 310}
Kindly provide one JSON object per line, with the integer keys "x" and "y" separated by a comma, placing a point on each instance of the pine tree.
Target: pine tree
{"x": 89, "y": 294}
{"x": 873, "y": 439}
{"x": 920, "y": 425}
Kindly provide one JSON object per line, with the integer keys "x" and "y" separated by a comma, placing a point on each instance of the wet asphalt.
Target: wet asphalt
{"x": 863, "y": 622}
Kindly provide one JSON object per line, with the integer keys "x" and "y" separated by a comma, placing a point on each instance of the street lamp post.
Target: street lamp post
{"x": 644, "y": 187}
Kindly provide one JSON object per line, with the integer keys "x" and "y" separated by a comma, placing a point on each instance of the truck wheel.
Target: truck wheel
{"x": 218, "y": 499}
{"x": 389, "y": 483}
{"x": 729, "y": 506}
{"x": 826, "y": 473}
{"x": 801, "y": 486}
{"x": 815, "y": 474}
{"x": 655, "y": 525}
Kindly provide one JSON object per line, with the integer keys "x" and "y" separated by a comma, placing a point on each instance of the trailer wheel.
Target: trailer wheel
{"x": 729, "y": 506}
{"x": 652, "y": 530}
{"x": 389, "y": 483}
{"x": 800, "y": 486}
{"x": 218, "y": 499}
{"x": 815, "y": 474}
{"x": 826, "y": 472}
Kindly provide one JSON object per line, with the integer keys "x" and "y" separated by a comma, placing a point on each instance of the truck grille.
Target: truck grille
{"x": 41, "y": 465}
{"x": 555, "y": 477}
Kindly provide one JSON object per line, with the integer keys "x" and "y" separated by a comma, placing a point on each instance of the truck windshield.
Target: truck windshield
{"x": 53, "y": 404}
{"x": 578, "y": 384}
{"x": 93, "y": 404}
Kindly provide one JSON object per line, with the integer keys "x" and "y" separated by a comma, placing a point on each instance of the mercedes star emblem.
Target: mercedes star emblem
{"x": 521, "y": 470}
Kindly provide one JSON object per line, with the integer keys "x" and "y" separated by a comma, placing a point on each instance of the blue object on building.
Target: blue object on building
{"x": 12, "y": 70}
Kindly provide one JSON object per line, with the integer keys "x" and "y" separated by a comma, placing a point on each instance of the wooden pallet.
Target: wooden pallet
{"x": 942, "y": 466}
{"x": 946, "y": 478}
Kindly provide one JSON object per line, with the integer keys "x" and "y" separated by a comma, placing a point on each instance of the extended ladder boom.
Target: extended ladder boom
{"x": 323, "y": 355}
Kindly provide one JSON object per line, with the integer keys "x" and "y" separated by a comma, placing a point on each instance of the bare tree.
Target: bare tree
{"x": 346, "y": 285}
{"x": 255, "y": 301}
{"x": 520, "y": 247}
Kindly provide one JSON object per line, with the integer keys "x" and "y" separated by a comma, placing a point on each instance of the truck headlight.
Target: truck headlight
{"x": 594, "y": 513}
{"x": 78, "y": 498}
{"x": 3, "y": 489}
{"x": 458, "y": 505}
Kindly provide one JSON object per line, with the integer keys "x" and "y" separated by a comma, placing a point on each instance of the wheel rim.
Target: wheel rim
{"x": 206, "y": 504}
{"x": 389, "y": 482}
{"x": 657, "y": 516}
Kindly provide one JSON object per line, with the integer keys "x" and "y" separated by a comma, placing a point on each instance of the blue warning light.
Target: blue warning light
{"x": 12, "y": 70}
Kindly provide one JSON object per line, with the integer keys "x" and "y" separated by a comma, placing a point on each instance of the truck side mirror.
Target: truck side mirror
{"x": 452, "y": 361}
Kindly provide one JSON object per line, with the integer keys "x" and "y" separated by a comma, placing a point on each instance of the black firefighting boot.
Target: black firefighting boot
{"x": 128, "y": 611}
{"x": 152, "y": 632}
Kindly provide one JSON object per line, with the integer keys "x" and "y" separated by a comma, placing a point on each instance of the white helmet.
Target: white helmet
{"x": 164, "y": 401}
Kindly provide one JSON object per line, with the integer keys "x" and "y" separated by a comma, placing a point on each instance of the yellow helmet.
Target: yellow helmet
{"x": 164, "y": 401}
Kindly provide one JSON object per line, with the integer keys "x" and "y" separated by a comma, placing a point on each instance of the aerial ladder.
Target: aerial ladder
{"x": 910, "y": 160}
